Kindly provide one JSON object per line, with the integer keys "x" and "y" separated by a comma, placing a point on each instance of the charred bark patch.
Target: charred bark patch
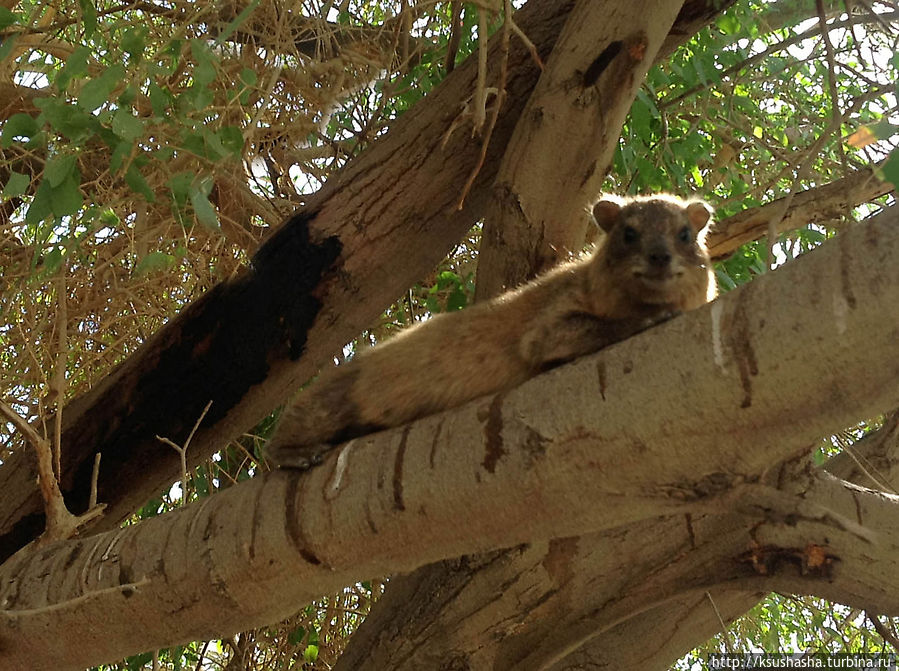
{"x": 601, "y": 62}
{"x": 217, "y": 349}
{"x": 534, "y": 445}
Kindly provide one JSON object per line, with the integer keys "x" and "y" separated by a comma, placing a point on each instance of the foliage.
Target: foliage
{"x": 147, "y": 147}
{"x": 779, "y": 623}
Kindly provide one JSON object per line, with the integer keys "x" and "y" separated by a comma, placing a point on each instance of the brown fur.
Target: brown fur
{"x": 651, "y": 265}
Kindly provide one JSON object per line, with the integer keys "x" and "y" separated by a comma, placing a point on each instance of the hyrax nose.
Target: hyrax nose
{"x": 659, "y": 257}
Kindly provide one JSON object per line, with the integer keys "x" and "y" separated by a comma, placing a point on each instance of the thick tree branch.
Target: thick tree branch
{"x": 752, "y": 379}
{"x": 548, "y": 588}
{"x": 825, "y": 205}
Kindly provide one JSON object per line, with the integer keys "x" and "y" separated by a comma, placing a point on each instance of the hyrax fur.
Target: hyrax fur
{"x": 651, "y": 264}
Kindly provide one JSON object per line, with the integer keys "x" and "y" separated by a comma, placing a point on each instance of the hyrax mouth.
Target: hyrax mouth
{"x": 657, "y": 276}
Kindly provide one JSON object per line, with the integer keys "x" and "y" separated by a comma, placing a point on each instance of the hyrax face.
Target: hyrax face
{"x": 656, "y": 246}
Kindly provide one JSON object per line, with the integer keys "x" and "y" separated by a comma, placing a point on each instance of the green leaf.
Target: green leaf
{"x": 66, "y": 119}
{"x": 204, "y": 210}
{"x": 59, "y": 168}
{"x": 196, "y": 98}
{"x": 891, "y": 169}
{"x": 41, "y": 205}
{"x": 76, "y": 65}
{"x": 126, "y": 125}
{"x": 249, "y": 79}
{"x": 109, "y": 218}
{"x": 884, "y": 130}
{"x": 230, "y": 139}
{"x": 296, "y": 636}
{"x": 134, "y": 42}
{"x": 18, "y": 125}
{"x": 213, "y": 146}
{"x": 641, "y": 117}
{"x": 97, "y": 91}
{"x": 138, "y": 184}
{"x": 169, "y": 58}
{"x": 180, "y": 183}
{"x": 160, "y": 100}
{"x": 729, "y": 25}
{"x": 201, "y": 485}
{"x": 119, "y": 154}
{"x": 310, "y": 654}
{"x": 6, "y": 47}
{"x": 457, "y": 300}
{"x": 8, "y": 18}
{"x": 51, "y": 261}
{"x": 66, "y": 198}
{"x": 152, "y": 263}
{"x": 16, "y": 185}
{"x": 128, "y": 96}
{"x": 204, "y": 70}
{"x": 88, "y": 17}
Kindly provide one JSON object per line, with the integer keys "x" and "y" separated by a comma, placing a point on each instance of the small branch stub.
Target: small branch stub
{"x": 61, "y": 524}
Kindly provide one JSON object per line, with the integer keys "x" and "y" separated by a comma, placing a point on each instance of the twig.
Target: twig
{"x": 31, "y": 436}
{"x": 59, "y": 373}
{"x": 182, "y": 451}
{"x": 832, "y": 76}
{"x": 497, "y": 105}
{"x": 725, "y": 634}
{"x": 95, "y": 475}
{"x": 201, "y": 656}
{"x": 452, "y": 46}
{"x": 479, "y": 113}
{"x": 773, "y": 49}
{"x": 61, "y": 523}
{"x": 535, "y": 55}
{"x": 885, "y": 634}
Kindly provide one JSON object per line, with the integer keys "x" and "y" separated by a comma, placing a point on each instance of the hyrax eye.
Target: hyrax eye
{"x": 685, "y": 234}
{"x": 630, "y": 235}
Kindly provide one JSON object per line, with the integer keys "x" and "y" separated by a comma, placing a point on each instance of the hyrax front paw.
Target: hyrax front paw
{"x": 299, "y": 457}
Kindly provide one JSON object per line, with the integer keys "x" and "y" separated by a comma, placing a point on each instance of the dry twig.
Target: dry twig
{"x": 182, "y": 451}
{"x": 61, "y": 524}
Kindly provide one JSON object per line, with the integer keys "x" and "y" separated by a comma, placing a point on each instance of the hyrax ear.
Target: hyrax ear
{"x": 699, "y": 214}
{"x": 606, "y": 213}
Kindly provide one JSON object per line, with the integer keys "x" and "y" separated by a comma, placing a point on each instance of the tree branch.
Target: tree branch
{"x": 823, "y": 205}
